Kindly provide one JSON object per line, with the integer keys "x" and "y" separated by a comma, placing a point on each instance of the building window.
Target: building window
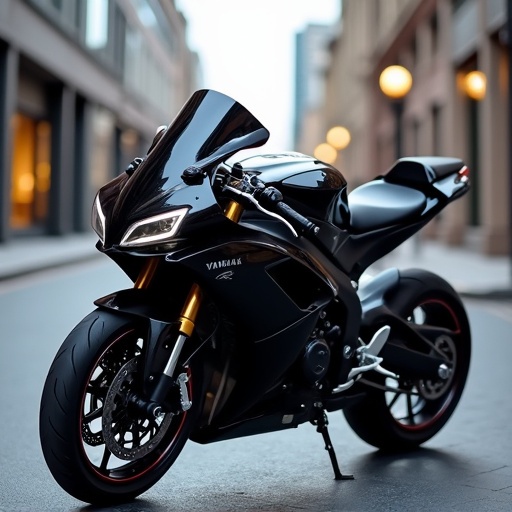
{"x": 153, "y": 17}
{"x": 102, "y": 150}
{"x": 96, "y": 31}
{"x": 144, "y": 75}
{"x": 30, "y": 173}
{"x": 118, "y": 40}
{"x": 65, "y": 13}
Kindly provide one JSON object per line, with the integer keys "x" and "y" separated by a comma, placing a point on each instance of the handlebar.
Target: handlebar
{"x": 303, "y": 226}
{"x": 251, "y": 190}
{"x": 272, "y": 199}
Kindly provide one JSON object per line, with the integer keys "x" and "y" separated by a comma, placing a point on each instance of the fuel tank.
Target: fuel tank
{"x": 313, "y": 188}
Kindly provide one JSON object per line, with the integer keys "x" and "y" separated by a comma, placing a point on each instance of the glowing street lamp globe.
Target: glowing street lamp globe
{"x": 475, "y": 85}
{"x": 395, "y": 82}
{"x": 338, "y": 137}
{"x": 325, "y": 153}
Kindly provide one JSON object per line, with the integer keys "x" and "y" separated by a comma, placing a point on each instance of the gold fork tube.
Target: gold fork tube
{"x": 190, "y": 310}
{"x": 147, "y": 273}
{"x": 188, "y": 316}
{"x": 234, "y": 211}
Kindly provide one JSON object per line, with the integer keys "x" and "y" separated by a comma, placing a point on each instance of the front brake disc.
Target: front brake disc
{"x": 128, "y": 434}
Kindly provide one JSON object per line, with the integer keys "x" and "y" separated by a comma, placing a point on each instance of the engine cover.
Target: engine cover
{"x": 316, "y": 360}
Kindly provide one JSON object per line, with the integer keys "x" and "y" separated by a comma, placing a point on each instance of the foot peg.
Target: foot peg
{"x": 378, "y": 341}
{"x": 367, "y": 356}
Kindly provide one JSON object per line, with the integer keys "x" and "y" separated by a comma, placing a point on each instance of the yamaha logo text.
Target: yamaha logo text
{"x": 224, "y": 263}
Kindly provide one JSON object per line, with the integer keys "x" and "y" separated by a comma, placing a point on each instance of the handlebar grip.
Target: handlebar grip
{"x": 302, "y": 225}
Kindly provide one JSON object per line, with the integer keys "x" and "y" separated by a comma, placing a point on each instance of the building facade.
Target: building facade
{"x": 83, "y": 86}
{"x": 311, "y": 63}
{"x": 440, "y": 42}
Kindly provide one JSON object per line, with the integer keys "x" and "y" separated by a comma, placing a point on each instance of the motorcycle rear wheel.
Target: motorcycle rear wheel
{"x": 99, "y": 449}
{"x": 403, "y": 414}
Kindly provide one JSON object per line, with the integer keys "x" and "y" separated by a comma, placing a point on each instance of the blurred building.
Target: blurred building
{"x": 83, "y": 86}
{"x": 440, "y": 42}
{"x": 311, "y": 63}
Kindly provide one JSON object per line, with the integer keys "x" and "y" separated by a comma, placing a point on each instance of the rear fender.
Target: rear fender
{"x": 405, "y": 351}
{"x": 372, "y": 292}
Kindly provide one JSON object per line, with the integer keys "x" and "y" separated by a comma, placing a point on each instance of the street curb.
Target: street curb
{"x": 36, "y": 269}
{"x": 504, "y": 294}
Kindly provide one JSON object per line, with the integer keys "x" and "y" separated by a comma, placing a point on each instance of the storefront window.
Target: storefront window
{"x": 31, "y": 172}
{"x": 102, "y": 147}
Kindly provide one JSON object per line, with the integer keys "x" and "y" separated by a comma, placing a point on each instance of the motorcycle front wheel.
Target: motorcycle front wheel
{"x": 400, "y": 414}
{"x": 99, "y": 447}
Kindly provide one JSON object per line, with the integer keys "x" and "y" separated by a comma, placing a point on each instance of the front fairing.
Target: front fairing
{"x": 210, "y": 128}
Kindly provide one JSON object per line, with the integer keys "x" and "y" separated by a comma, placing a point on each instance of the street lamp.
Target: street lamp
{"x": 325, "y": 153}
{"x": 338, "y": 137}
{"x": 475, "y": 85}
{"x": 396, "y": 82}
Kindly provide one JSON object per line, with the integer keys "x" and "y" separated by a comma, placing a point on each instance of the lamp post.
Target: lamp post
{"x": 396, "y": 82}
{"x": 509, "y": 47}
{"x": 473, "y": 85}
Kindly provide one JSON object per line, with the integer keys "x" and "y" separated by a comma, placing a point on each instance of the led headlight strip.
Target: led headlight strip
{"x": 157, "y": 229}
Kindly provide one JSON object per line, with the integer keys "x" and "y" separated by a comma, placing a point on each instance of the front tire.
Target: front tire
{"x": 99, "y": 448}
{"x": 402, "y": 414}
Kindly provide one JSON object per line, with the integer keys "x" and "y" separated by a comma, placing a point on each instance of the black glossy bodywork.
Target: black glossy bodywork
{"x": 267, "y": 290}
{"x": 310, "y": 186}
{"x": 210, "y": 128}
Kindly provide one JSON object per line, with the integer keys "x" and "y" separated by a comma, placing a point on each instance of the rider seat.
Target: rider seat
{"x": 400, "y": 196}
{"x": 378, "y": 204}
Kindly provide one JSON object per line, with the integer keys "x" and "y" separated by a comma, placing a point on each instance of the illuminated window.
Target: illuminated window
{"x": 102, "y": 147}
{"x": 31, "y": 172}
{"x": 96, "y": 33}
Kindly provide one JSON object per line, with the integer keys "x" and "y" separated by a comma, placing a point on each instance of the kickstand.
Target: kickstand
{"x": 321, "y": 426}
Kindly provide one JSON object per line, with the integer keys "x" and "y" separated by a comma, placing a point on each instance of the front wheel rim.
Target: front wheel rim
{"x": 129, "y": 463}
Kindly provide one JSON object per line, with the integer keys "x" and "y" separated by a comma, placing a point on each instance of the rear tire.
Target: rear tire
{"x": 85, "y": 418}
{"x": 411, "y": 411}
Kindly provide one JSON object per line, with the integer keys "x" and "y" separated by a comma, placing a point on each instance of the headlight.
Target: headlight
{"x": 98, "y": 219}
{"x": 156, "y": 229}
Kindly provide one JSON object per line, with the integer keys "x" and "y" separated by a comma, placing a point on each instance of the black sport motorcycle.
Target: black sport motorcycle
{"x": 248, "y": 312}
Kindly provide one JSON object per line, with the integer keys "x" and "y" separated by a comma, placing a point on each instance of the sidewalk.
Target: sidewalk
{"x": 472, "y": 274}
{"x": 26, "y": 255}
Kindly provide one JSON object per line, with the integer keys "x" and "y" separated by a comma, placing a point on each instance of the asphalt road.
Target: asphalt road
{"x": 466, "y": 467}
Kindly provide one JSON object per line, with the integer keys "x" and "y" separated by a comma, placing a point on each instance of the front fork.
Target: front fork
{"x": 186, "y": 320}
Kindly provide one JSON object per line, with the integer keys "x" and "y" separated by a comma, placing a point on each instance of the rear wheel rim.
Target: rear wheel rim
{"x": 416, "y": 405}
